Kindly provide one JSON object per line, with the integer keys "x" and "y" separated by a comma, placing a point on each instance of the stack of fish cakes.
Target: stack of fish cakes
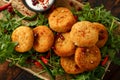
{"x": 78, "y": 42}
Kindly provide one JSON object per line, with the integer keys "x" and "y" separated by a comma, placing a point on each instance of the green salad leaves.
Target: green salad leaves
{"x": 7, "y": 25}
{"x": 10, "y": 22}
{"x": 101, "y": 15}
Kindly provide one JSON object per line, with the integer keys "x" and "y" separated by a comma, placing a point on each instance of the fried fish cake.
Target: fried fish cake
{"x": 24, "y": 36}
{"x": 103, "y": 34}
{"x": 61, "y": 19}
{"x": 63, "y": 46}
{"x": 89, "y": 58}
{"x": 84, "y": 34}
{"x": 43, "y": 38}
{"x": 69, "y": 65}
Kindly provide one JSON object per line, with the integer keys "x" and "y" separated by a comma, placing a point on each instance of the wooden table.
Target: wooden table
{"x": 15, "y": 73}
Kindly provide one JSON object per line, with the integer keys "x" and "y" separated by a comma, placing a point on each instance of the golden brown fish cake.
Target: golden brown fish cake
{"x": 69, "y": 65}
{"x": 84, "y": 34}
{"x": 44, "y": 38}
{"x": 89, "y": 58}
{"x": 61, "y": 19}
{"x": 63, "y": 46}
{"x": 103, "y": 34}
{"x": 24, "y": 36}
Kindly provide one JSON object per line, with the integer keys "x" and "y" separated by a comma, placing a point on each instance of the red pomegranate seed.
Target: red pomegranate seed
{"x": 10, "y": 9}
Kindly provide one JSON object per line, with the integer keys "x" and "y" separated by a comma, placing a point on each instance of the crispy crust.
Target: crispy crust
{"x": 44, "y": 38}
{"x": 103, "y": 34}
{"x": 69, "y": 65}
{"x": 61, "y": 20}
{"x": 84, "y": 34}
{"x": 89, "y": 58}
{"x": 64, "y": 47}
{"x": 24, "y": 36}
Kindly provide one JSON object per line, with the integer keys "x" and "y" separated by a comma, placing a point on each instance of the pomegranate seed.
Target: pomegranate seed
{"x": 10, "y": 9}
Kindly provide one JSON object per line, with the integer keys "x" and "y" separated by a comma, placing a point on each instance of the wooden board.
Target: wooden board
{"x": 5, "y": 70}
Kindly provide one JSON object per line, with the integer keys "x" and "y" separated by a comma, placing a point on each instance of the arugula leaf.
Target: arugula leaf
{"x": 92, "y": 75}
{"x": 98, "y": 72}
{"x": 98, "y": 14}
{"x": 111, "y": 48}
{"x": 6, "y": 46}
{"x": 84, "y": 76}
{"x": 101, "y": 15}
{"x": 41, "y": 20}
{"x": 6, "y": 49}
{"x": 7, "y": 25}
{"x": 56, "y": 68}
{"x": 116, "y": 60}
